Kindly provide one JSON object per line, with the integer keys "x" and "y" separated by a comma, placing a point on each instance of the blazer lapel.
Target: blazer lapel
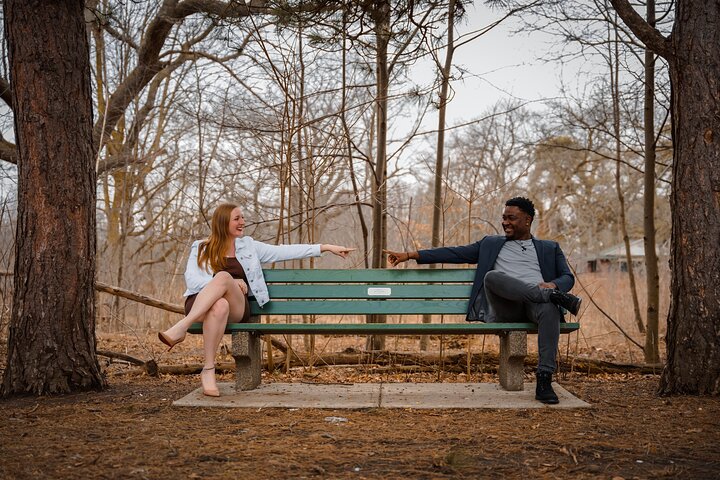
{"x": 540, "y": 251}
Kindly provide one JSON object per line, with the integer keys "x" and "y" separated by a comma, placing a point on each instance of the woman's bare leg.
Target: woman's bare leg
{"x": 221, "y": 286}
{"x": 214, "y": 324}
{"x": 213, "y": 329}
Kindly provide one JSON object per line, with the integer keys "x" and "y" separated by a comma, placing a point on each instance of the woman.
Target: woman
{"x": 218, "y": 299}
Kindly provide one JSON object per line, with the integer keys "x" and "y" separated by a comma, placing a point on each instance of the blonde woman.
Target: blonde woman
{"x": 221, "y": 271}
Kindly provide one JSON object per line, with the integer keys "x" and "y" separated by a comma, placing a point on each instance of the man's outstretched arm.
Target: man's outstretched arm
{"x": 461, "y": 254}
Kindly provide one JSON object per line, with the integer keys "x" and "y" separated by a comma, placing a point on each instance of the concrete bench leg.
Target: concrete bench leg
{"x": 246, "y": 352}
{"x": 513, "y": 349}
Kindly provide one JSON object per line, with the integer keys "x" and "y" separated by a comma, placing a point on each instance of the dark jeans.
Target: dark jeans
{"x": 512, "y": 300}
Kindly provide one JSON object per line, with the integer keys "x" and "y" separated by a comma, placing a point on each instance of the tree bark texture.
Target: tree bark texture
{"x": 51, "y": 345}
{"x": 693, "y": 324}
{"x": 693, "y": 337}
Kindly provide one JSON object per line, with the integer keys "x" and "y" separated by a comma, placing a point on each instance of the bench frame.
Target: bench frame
{"x": 246, "y": 342}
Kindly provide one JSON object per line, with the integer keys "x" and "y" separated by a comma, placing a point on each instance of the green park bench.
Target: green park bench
{"x": 365, "y": 292}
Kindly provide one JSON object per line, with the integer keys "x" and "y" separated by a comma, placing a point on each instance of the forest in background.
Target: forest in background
{"x": 281, "y": 117}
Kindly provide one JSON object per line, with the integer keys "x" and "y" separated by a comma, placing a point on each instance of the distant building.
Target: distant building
{"x": 614, "y": 259}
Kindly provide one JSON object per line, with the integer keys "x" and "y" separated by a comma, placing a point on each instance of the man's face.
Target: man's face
{"x": 516, "y": 223}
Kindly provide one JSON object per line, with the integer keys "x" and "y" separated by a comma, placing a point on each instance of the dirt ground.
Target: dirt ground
{"x": 131, "y": 430}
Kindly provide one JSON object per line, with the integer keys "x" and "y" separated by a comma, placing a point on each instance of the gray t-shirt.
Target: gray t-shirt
{"x": 518, "y": 259}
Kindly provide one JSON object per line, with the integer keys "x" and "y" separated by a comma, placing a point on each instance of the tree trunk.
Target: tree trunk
{"x": 615, "y": 90}
{"x": 51, "y": 346}
{"x": 349, "y": 146}
{"x": 652, "y": 277}
{"x": 382, "y": 36}
{"x": 440, "y": 149}
{"x": 693, "y": 344}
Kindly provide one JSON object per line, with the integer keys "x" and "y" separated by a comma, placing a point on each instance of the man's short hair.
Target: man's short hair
{"x": 523, "y": 204}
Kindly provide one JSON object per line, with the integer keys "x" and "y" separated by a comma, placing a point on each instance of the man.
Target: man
{"x": 518, "y": 278}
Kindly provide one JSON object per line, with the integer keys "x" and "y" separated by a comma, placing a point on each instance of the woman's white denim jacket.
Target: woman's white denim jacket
{"x": 251, "y": 254}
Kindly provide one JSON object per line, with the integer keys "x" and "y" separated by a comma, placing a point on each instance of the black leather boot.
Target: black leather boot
{"x": 569, "y": 302}
{"x": 543, "y": 388}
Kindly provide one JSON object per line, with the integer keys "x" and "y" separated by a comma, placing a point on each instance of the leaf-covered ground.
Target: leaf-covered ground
{"x": 131, "y": 430}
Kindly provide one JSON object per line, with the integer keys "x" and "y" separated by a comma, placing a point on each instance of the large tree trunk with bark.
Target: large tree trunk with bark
{"x": 693, "y": 343}
{"x": 51, "y": 347}
{"x": 693, "y": 353}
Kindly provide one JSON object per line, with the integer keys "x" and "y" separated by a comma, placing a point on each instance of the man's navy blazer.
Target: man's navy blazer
{"x": 553, "y": 266}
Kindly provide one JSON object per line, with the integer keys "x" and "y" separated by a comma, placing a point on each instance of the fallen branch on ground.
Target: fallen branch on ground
{"x": 144, "y": 299}
{"x": 487, "y": 362}
{"x": 150, "y": 367}
{"x": 400, "y": 362}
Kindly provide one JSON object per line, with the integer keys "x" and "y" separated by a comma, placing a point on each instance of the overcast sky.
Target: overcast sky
{"x": 505, "y": 65}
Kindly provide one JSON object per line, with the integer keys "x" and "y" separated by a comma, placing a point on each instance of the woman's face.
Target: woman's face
{"x": 237, "y": 223}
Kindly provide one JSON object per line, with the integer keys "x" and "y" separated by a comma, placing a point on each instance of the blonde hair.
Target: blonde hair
{"x": 212, "y": 251}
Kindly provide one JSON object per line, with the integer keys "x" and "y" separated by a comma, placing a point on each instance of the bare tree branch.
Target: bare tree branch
{"x": 650, "y": 36}
{"x": 149, "y": 52}
{"x": 8, "y": 151}
{"x": 5, "y": 92}
{"x": 136, "y": 297}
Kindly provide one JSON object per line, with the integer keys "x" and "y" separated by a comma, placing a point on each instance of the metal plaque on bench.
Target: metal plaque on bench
{"x": 379, "y": 292}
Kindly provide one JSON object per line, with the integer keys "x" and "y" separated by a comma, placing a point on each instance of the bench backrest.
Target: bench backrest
{"x": 363, "y": 292}
{"x": 367, "y": 291}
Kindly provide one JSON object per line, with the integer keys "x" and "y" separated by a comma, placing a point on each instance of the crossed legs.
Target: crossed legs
{"x": 220, "y": 301}
{"x": 513, "y": 300}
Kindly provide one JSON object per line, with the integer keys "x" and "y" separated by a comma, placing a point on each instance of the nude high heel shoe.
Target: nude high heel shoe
{"x": 210, "y": 392}
{"x": 168, "y": 341}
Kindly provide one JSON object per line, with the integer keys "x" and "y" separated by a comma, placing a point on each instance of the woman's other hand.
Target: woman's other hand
{"x": 338, "y": 250}
{"x": 243, "y": 286}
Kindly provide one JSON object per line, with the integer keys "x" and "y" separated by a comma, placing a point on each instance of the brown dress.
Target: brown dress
{"x": 233, "y": 267}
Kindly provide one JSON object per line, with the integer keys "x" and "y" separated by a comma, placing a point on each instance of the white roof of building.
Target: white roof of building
{"x": 637, "y": 249}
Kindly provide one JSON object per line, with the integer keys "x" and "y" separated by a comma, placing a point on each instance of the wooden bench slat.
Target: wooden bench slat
{"x": 384, "y": 328}
{"x": 372, "y": 292}
{"x": 361, "y": 307}
{"x": 454, "y": 275}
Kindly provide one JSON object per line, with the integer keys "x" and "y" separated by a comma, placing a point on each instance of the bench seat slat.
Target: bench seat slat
{"x": 379, "y": 291}
{"x": 451, "y": 275}
{"x": 384, "y": 328}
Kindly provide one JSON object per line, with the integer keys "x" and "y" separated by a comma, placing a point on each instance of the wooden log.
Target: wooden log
{"x": 121, "y": 356}
{"x": 136, "y": 297}
{"x": 150, "y": 367}
{"x": 400, "y": 362}
{"x": 458, "y": 362}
